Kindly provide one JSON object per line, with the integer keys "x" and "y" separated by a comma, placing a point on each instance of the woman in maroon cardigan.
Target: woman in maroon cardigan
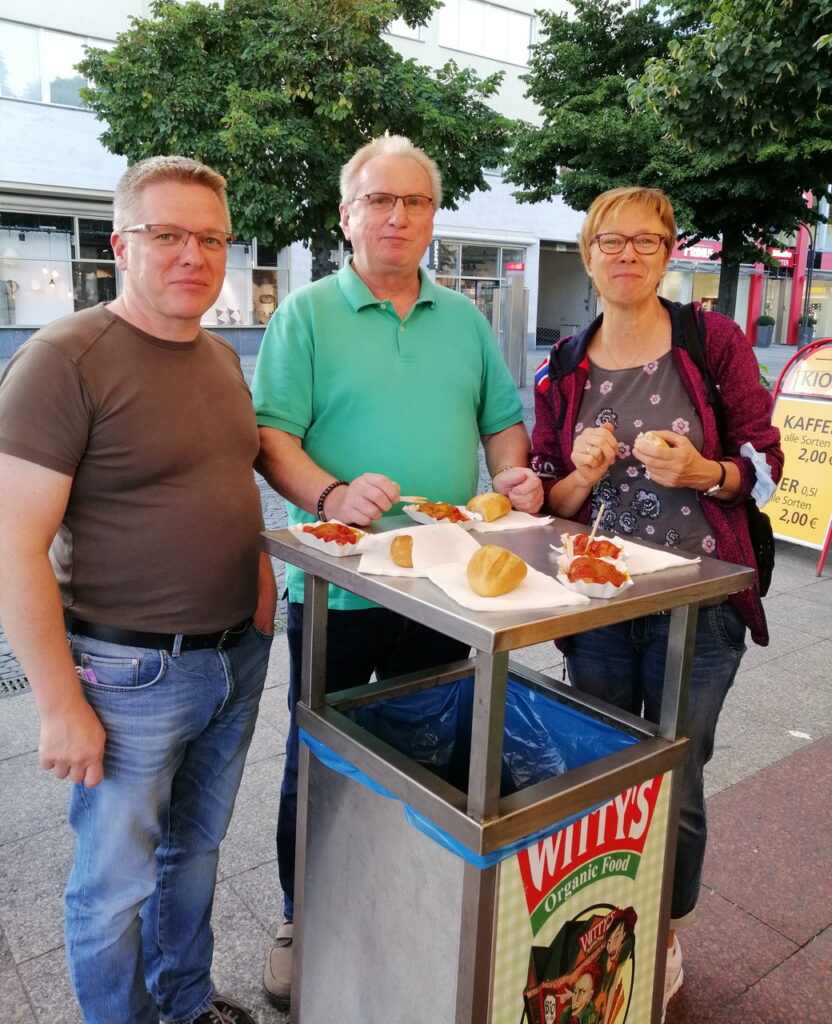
{"x": 629, "y": 373}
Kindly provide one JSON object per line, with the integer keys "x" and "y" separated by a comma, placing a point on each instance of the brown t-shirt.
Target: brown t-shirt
{"x": 161, "y": 528}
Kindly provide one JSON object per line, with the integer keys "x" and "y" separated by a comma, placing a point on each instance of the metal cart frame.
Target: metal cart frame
{"x": 480, "y": 819}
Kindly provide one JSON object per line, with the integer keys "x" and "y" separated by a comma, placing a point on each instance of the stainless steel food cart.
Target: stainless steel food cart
{"x": 391, "y": 926}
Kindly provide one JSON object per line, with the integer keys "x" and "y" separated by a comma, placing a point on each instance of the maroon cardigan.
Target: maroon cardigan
{"x": 559, "y": 388}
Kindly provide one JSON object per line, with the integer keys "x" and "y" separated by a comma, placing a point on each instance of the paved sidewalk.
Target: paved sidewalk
{"x": 761, "y": 951}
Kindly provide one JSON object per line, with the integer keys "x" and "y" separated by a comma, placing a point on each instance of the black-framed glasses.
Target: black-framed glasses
{"x": 169, "y": 236}
{"x": 645, "y": 243}
{"x": 385, "y": 202}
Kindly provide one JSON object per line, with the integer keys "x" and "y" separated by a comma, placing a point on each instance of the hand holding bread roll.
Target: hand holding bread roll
{"x": 652, "y": 438}
{"x": 490, "y": 505}
{"x": 401, "y": 550}
{"x": 493, "y": 571}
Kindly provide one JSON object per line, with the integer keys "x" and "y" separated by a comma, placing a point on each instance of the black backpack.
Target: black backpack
{"x": 759, "y": 524}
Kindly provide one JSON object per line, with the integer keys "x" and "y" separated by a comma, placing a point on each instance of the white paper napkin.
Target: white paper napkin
{"x": 641, "y": 559}
{"x": 537, "y": 591}
{"x": 432, "y": 545}
{"x": 513, "y": 520}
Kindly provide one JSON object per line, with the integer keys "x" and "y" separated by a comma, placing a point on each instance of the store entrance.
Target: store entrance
{"x": 776, "y": 304}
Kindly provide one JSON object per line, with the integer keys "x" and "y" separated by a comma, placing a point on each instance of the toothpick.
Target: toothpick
{"x": 597, "y": 521}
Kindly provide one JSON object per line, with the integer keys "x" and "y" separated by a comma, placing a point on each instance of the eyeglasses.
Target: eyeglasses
{"x": 384, "y": 202}
{"x": 645, "y": 243}
{"x": 169, "y": 236}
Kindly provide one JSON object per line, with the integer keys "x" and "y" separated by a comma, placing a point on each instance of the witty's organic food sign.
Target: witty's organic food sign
{"x": 578, "y": 916}
{"x": 801, "y": 507}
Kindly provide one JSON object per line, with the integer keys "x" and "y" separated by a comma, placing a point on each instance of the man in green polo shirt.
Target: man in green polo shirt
{"x": 372, "y": 383}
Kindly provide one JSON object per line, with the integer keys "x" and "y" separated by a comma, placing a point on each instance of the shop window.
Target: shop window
{"x": 94, "y": 239}
{"x": 36, "y": 266}
{"x": 52, "y": 265}
{"x": 92, "y": 283}
{"x": 477, "y": 271}
{"x": 447, "y": 260}
{"x": 256, "y": 280}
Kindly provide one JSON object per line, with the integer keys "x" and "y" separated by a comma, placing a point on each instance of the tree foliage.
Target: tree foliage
{"x": 589, "y": 140}
{"x": 583, "y": 73}
{"x": 755, "y": 81}
{"x": 278, "y": 95}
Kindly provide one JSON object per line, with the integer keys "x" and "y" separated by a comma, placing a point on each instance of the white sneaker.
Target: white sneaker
{"x": 674, "y": 975}
{"x": 277, "y": 975}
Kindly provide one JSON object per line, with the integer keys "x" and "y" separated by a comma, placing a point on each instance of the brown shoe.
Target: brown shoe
{"x": 277, "y": 975}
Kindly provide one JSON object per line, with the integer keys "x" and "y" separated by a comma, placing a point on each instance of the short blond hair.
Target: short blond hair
{"x": 157, "y": 169}
{"x": 389, "y": 145}
{"x": 611, "y": 202}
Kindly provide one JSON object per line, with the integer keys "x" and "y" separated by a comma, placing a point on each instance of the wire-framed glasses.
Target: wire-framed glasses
{"x": 169, "y": 236}
{"x": 645, "y": 243}
{"x": 385, "y": 202}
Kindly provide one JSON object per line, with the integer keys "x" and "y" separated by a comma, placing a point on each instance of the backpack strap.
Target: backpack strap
{"x": 695, "y": 333}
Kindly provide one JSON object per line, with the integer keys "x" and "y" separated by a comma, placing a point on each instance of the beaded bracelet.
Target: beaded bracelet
{"x": 325, "y": 493}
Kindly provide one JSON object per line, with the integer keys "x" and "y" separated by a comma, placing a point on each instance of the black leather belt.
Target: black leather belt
{"x": 159, "y": 641}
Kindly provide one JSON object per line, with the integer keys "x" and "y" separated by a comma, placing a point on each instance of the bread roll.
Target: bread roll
{"x": 493, "y": 571}
{"x": 651, "y": 437}
{"x": 490, "y": 505}
{"x": 401, "y": 550}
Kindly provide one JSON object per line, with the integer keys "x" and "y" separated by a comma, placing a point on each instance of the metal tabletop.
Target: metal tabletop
{"x": 705, "y": 581}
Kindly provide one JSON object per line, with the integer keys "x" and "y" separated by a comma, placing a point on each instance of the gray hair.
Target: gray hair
{"x": 157, "y": 169}
{"x": 389, "y": 145}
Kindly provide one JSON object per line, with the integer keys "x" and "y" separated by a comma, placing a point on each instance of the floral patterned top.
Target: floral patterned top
{"x": 649, "y": 397}
{"x": 560, "y": 383}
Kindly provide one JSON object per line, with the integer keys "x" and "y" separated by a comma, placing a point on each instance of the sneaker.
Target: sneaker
{"x": 277, "y": 975}
{"x": 224, "y": 1010}
{"x": 673, "y": 974}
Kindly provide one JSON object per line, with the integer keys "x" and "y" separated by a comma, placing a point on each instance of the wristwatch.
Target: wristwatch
{"x": 711, "y": 491}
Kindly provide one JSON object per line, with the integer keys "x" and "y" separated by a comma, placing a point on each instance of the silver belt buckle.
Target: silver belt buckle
{"x": 237, "y": 630}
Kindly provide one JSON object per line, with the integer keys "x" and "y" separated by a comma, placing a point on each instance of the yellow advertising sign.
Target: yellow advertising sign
{"x": 801, "y": 507}
{"x": 811, "y": 375}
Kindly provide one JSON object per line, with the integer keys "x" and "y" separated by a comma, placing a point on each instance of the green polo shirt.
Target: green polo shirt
{"x": 368, "y": 392}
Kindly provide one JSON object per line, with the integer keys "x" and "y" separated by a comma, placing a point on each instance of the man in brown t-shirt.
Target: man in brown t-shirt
{"x": 135, "y": 597}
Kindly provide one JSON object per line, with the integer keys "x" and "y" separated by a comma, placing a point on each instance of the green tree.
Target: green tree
{"x": 754, "y": 81}
{"x": 582, "y": 74}
{"x": 589, "y": 140}
{"x": 278, "y": 95}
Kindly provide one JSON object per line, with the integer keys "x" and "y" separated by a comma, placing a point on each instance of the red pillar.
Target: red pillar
{"x": 798, "y": 280}
{"x": 755, "y": 301}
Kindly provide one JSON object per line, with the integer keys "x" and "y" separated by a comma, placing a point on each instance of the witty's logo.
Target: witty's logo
{"x": 607, "y": 841}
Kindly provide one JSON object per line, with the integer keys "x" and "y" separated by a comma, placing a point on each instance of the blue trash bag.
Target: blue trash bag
{"x": 542, "y": 737}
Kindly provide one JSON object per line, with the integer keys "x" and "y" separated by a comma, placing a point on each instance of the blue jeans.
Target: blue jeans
{"x": 140, "y": 893}
{"x": 624, "y": 665}
{"x": 359, "y": 643}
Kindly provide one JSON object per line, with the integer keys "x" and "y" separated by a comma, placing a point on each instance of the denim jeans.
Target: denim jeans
{"x": 140, "y": 893}
{"x": 624, "y": 665}
{"x": 359, "y": 643}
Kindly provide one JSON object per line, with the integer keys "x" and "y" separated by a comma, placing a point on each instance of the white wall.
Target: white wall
{"x": 102, "y": 19}
{"x": 511, "y": 99}
{"x": 48, "y": 145}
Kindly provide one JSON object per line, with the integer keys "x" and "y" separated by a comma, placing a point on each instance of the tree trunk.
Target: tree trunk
{"x": 729, "y": 274}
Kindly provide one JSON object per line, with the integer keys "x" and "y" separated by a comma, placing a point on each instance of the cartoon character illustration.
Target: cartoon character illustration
{"x": 581, "y": 1008}
{"x": 585, "y": 975}
{"x": 618, "y": 949}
